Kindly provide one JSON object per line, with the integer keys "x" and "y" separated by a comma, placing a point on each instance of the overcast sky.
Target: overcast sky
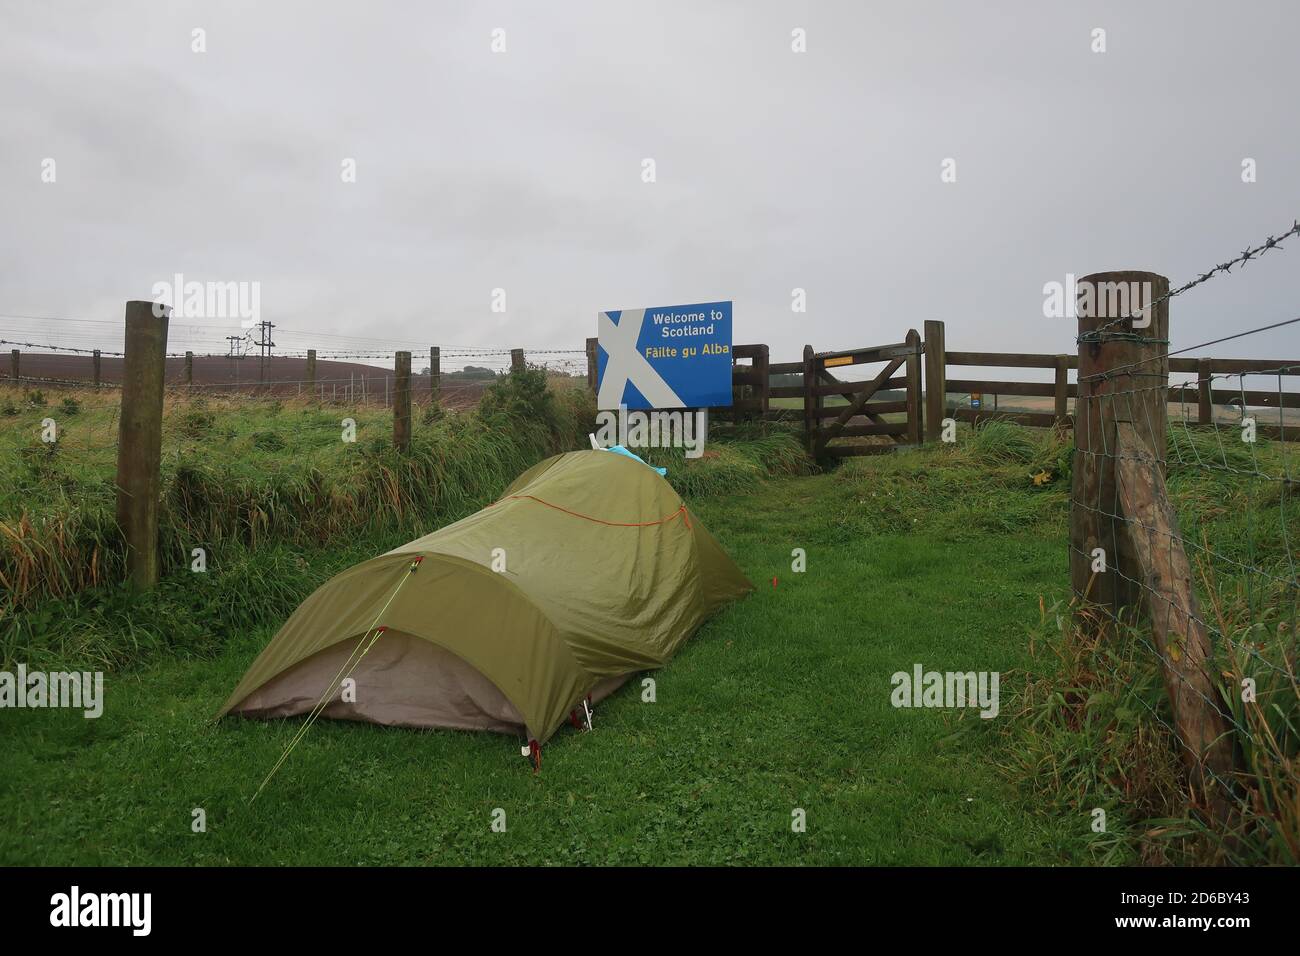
{"x": 523, "y": 170}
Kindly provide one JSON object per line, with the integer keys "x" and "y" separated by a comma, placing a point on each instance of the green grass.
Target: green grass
{"x": 781, "y": 702}
{"x": 239, "y": 474}
{"x": 951, "y": 557}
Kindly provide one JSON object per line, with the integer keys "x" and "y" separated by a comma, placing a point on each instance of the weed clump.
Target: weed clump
{"x": 197, "y": 423}
{"x": 268, "y": 441}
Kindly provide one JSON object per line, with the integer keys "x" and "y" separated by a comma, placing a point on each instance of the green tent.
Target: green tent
{"x": 588, "y": 570}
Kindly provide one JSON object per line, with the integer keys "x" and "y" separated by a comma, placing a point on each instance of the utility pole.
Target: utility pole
{"x": 265, "y": 344}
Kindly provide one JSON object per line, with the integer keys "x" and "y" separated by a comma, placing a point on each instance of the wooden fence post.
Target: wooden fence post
{"x": 737, "y": 394}
{"x": 95, "y": 361}
{"x": 1204, "y": 393}
{"x": 1186, "y": 655}
{"x": 1123, "y": 376}
{"x": 189, "y": 368}
{"x": 762, "y": 362}
{"x": 13, "y": 364}
{"x": 1062, "y": 393}
{"x": 915, "y": 425}
{"x": 402, "y": 402}
{"x": 592, "y": 363}
{"x": 936, "y": 379}
{"x": 516, "y": 360}
{"x": 435, "y": 373}
{"x": 311, "y": 371}
{"x": 810, "y": 421}
{"x": 139, "y": 442}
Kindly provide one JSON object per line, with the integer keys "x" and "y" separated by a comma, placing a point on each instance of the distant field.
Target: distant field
{"x": 281, "y": 377}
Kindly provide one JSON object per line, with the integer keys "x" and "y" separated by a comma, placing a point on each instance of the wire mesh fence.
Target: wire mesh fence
{"x": 1185, "y": 518}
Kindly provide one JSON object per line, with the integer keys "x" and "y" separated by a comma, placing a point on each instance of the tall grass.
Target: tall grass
{"x": 278, "y": 502}
{"x": 241, "y": 474}
{"x": 1095, "y": 728}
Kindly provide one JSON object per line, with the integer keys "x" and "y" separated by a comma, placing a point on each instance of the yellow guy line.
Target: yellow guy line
{"x": 348, "y": 666}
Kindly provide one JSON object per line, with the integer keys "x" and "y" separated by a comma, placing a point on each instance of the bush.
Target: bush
{"x": 70, "y": 407}
{"x": 520, "y": 395}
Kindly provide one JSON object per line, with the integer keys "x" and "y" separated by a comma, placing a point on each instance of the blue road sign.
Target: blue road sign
{"x": 677, "y": 356}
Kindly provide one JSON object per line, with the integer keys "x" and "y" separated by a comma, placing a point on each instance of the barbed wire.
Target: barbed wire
{"x": 1269, "y": 244}
{"x": 60, "y": 348}
{"x": 1239, "y": 563}
{"x": 329, "y": 354}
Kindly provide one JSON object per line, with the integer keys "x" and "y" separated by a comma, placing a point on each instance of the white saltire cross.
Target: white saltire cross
{"x": 626, "y": 364}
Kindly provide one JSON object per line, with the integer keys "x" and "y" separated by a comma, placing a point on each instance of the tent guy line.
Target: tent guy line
{"x": 339, "y": 679}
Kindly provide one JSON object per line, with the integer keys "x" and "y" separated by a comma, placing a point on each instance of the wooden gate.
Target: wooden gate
{"x": 833, "y": 427}
{"x": 841, "y": 417}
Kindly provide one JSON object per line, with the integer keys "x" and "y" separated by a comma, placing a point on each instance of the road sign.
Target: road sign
{"x": 676, "y": 356}
{"x": 976, "y": 399}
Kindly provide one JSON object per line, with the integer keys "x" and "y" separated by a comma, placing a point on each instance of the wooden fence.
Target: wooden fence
{"x": 920, "y": 368}
{"x": 829, "y": 429}
{"x": 1199, "y": 392}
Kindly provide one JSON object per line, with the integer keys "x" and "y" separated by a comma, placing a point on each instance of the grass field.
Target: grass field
{"x": 953, "y": 558}
{"x": 781, "y": 702}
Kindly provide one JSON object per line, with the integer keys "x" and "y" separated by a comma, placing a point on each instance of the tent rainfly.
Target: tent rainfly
{"x": 588, "y": 570}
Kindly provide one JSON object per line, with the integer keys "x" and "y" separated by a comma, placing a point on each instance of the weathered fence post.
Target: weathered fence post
{"x": 95, "y": 361}
{"x": 1204, "y": 393}
{"x": 139, "y": 442}
{"x": 1062, "y": 393}
{"x": 311, "y": 371}
{"x": 402, "y": 402}
{"x": 1121, "y": 504}
{"x": 936, "y": 379}
{"x": 1182, "y": 642}
{"x": 1123, "y": 376}
{"x": 762, "y": 362}
{"x": 592, "y": 363}
{"x": 737, "y": 394}
{"x": 189, "y": 368}
{"x": 914, "y": 413}
{"x": 435, "y": 373}
{"x": 516, "y": 360}
{"x": 13, "y": 364}
{"x": 810, "y": 421}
